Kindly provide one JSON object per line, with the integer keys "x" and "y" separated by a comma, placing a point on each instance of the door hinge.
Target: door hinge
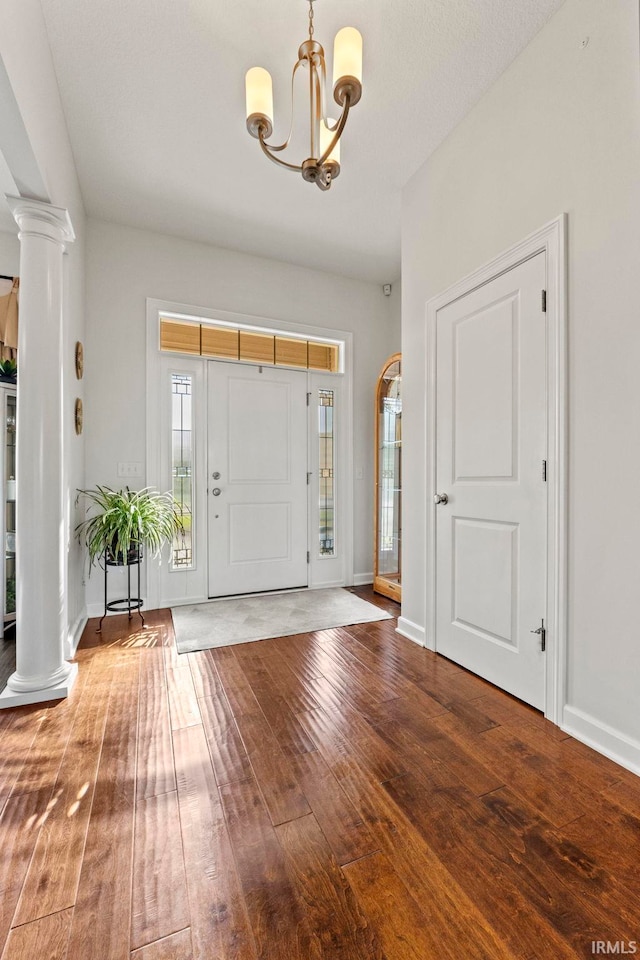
{"x": 544, "y": 470}
{"x": 541, "y": 631}
{"x": 308, "y": 478}
{"x": 544, "y": 301}
{"x": 308, "y": 556}
{"x": 308, "y": 399}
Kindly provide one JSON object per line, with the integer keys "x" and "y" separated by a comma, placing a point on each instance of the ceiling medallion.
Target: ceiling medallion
{"x": 323, "y": 164}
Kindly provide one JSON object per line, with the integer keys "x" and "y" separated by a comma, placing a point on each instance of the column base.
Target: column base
{"x": 60, "y": 690}
{"x": 21, "y": 684}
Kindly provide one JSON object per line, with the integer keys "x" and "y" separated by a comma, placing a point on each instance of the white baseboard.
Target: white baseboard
{"x": 97, "y": 609}
{"x": 412, "y": 631}
{"x": 179, "y": 602}
{"x": 605, "y": 739}
{"x": 362, "y": 579}
{"x": 74, "y": 634}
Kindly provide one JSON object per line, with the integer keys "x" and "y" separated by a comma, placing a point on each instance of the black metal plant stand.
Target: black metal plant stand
{"x": 126, "y": 604}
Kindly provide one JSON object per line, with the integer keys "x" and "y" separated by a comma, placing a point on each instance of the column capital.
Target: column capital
{"x": 40, "y": 219}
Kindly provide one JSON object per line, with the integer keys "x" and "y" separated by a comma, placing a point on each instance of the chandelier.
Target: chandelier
{"x": 323, "y": 164}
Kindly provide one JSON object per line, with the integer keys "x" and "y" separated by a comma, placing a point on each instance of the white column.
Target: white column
{"x": 42, "y": 673}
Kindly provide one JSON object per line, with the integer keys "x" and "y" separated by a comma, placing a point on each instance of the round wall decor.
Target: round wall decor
{"x": 79, "y": 360}
{"x": 78, "y": 415}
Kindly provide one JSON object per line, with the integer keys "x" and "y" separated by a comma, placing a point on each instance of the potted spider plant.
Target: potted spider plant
{"x": 121, "y": 522}
{"x": 8, "y": 371}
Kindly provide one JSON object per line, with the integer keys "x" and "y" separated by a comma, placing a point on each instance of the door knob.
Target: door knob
{"x": 441, "y": 498}
{"x": 216, "y": 491}
{"x": 216, "y": 475}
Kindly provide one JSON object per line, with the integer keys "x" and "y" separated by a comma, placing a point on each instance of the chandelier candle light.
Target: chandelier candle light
{"x": 323, "y": 164}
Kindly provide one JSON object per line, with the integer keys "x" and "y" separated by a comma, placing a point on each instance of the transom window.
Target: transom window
{"x": 228, "y": 342}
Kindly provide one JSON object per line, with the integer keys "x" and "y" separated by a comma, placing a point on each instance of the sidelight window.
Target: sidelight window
{"x": 182, "y": 467}
{"x": 326, "y": 472}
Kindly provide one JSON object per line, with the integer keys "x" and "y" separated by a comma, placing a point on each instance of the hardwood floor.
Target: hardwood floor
{"x": 343, "y": 795}
{"x": 7, "y": 655}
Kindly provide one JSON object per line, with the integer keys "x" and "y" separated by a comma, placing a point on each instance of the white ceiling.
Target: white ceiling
{"x": 153, "y": 92}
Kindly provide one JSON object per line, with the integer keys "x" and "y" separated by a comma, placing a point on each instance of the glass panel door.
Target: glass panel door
{"x": 388, "y": 519}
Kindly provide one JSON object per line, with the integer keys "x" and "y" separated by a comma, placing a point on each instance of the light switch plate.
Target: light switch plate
{"x": 132, "y": 469}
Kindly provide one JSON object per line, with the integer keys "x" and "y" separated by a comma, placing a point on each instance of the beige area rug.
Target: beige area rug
{"x": 220, "y": 623}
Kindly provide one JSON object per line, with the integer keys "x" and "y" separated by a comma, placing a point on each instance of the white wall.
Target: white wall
{"x": 125, "y": 266}
{"x": 560, "y": 131}
{"x": 25, "y": 53}
{"x": 9, "y": 254}
{"x": 395, "y": 306}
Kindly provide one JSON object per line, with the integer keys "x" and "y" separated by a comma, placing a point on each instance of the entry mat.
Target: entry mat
{"x": 219, "y": 623}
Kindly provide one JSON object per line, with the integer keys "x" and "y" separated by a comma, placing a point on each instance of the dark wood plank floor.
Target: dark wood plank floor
{"x": 343, "y": 795}
{"x": 7, "y": 655}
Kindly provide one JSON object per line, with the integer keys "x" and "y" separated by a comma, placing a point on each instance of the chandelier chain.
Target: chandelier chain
{"x": 310, "y": 19}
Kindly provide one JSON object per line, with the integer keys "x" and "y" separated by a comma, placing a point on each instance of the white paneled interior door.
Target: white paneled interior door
{"x": 257, "y": 478}
{"x": 491, "y": 545}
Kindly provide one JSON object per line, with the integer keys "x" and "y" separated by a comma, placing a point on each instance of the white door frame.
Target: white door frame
{"x": 550, "y": 240}
{"x": 323, "y": 572}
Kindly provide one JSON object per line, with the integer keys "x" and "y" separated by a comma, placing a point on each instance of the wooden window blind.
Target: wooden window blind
{"x": 258, "y": 347}
{"x": 323, "y": 356}
{"x": 220, "y": 342}
{"x": 180, "y": 337}
{"x": 291, "y": 353}
{"x": 227, "y": 343}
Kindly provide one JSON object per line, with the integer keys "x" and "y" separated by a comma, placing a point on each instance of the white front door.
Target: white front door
{"x": 490, "y": 461}
{"x": 257, "y": 478}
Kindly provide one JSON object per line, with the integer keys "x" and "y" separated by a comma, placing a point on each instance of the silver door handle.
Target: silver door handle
{"x": 216, "y": 475}
{"x": 441, "y": 498}
{"x": 216, "y": 491}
